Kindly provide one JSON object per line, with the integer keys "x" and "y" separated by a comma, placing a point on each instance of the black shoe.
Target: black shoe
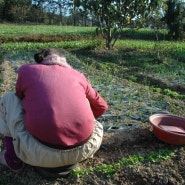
{"x": 52, "y": 173}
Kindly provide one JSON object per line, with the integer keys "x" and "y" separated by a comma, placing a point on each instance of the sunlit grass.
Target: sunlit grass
{"x": 145, "y": 44}
{"x": 12, "y": 29}
{"x": 37, "y": 45}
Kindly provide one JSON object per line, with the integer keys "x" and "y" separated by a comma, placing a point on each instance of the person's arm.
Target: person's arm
{"x": 97, "y": 103}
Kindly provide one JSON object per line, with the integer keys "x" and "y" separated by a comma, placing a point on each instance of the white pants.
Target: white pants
{"x": 30, "y": 150}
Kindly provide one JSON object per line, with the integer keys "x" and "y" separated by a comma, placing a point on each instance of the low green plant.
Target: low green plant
{"x": 132, "y": 78}
{"x": 161, "y": 155}
{"x": 110, "y": 169}
{"x": 173, "y": 94}
{"x": 79, "y": 172}
{"x": 157, "y": 89}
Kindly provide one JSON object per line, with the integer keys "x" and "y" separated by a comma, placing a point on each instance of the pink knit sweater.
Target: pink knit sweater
{"x": 55, "y": 102}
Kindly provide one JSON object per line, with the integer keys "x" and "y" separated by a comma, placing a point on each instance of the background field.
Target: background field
{"x": 140, "y": 77}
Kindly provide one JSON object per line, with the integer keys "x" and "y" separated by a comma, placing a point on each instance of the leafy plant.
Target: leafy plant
{"x": 110, "y": 169}
{"x": 173, "y": 94}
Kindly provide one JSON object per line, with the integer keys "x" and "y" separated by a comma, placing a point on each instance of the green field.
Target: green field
{"x": 138, "y": 78}
{"x": 13, "y": 30}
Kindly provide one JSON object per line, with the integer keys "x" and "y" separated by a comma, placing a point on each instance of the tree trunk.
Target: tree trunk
{"x": 109, "y": 39}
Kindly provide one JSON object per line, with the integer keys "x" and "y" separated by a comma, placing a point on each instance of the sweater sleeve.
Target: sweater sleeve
{"x": 97, "y": 103}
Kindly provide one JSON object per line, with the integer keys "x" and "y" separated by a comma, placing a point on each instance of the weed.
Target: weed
{"x": 173, "y": 94}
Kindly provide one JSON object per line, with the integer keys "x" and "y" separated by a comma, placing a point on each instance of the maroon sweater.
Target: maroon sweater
{"x": 55, "y": 102}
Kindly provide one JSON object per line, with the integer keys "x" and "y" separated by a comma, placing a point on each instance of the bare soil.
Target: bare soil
{"x": 115, "y": 146}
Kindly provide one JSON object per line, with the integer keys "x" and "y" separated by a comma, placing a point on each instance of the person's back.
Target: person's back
{"x": 55, "y": 102}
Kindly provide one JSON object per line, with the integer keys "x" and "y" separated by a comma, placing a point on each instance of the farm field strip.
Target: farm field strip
{"x": 14, "y": 30}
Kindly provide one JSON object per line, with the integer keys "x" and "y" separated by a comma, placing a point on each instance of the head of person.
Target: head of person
{"x": 51, "y": 56}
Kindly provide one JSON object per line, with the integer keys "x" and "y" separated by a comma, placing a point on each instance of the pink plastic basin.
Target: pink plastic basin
{"x": 168, "y": 128}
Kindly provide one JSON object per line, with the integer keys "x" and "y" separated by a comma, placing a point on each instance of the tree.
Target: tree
{"x": 57, "y": 7}
{"x": 1, "y": 8}
{"x": 15, "y": 11}
{"x": 79, "y": 15}
{"x": 20, "y": 10}
{"x": 112, "y": 16}
{"x": 38, "y": 10}
{"x": 7, "y": 10}
{"x": 175, "y": 18}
